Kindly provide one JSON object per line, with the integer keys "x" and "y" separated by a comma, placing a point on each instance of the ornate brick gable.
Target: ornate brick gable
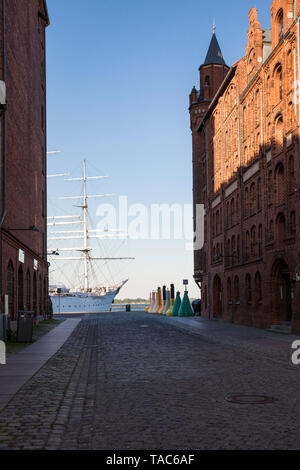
{"x": 247, "y": 174}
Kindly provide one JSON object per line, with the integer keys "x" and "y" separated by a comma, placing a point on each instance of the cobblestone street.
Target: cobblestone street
{"x": 134, "y": 381}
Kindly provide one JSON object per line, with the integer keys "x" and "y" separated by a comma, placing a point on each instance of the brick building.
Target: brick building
{"x": 246, "y": 172}
{"x": 23, "y": 156}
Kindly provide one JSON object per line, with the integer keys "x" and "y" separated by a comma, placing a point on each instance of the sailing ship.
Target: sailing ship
{"x": 85, "y": 298}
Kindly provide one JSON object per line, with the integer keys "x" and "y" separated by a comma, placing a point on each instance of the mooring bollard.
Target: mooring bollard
{"x": 168, "y": 302}
{"x": 164, "y": 298}
{"x": 152, "y": 302}
{"x": 176, "y": 306}
{"x": 185, "y": 309}
{"x": 172, "y": 300}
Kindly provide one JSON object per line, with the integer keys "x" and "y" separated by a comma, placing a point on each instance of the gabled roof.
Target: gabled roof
{"x": 214, "y": 54}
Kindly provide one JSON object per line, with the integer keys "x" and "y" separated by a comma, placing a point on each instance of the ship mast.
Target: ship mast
{"x": 84, "y": 233}
{"x": 85, "y": 230}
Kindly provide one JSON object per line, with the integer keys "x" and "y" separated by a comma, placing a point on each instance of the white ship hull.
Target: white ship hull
{"x": 72, "y": 303}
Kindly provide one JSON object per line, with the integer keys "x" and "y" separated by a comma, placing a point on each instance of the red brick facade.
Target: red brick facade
{"x": 246, "y": 170}
{"x": 25, "y": 272}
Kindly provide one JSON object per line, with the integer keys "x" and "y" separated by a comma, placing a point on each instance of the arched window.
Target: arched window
{"x": 217, "y": 223}
{"x": 236, "y": 289}
{"x": 260, "y": 240}
{"x": 232, "y": 212}
{"x": 228, "y": 214}
{"x": 290, "y": 68}
{"x": 248, "y": 288}
{"x": 280, "y": 228}
{"x": 277, "y": 78}
{"x": 253, "y": 241}
{"x": 278, "y": 134}
{"x": 246, "y": 202}
{"x": 259, "y": 195}
{"x": 228, "y": 258}
{"x": 20, "y": 289}
{"x": 245, "y": 124}
{"x": 252, "y": 198}
{"x": 270, "y": 187}
{"x": 280, "y": 24}
{"x": 238, "y": 249}
{"x": 233, "y": 249}
{"x": 257, "y": 106}
{"x": 258, "y": 289}
{"x": 247, "y": 247}
{"x": 229, "y": 291}
{"x": 28, "y": 290}
{"x": 11, "y": 290}
{"x": 279, "y": 183}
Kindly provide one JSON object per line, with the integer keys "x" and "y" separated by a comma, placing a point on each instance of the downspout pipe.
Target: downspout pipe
{"x": 3, "y": 156}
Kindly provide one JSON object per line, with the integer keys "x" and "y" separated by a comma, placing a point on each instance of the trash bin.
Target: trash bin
{"x": 25, "y": 326}
{"x": 128, "y": 308}
{"x": 196, "y": 304}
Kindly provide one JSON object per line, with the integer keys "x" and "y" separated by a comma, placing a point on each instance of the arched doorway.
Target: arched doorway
{"x": 20, "y": 289}
{"x": 281, "y": 291}
{"x": 217, "y": 297}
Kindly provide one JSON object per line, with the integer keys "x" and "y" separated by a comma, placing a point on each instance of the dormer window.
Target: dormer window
{"x": 280, "y": 25}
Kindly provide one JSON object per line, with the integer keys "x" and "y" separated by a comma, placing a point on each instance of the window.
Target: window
{"x": 280, "y": 228}
{"x": 270, "y": 186}
{"x": 233, "y": 250}
{"x": 279, "y": 85}
{"x": 28, "y": 290}
{"x": 278, "y": 134}
{"x": 207, "y": 80}
{"x": 232, "y": 214}
{"x": 258, "y": 289}
{"x": 252, "y": 198}
{"x": 280, "y": 24}
{"x": 229, "y": 291}
{"x": 253, "y": 241}
{"x": 259, "y": 204}
{"x": 246, "y": 202}
{"x": 20, "y": 289}
{"x": 247, "y": 246}
{"x": 236, "y": 289}
{"x": 248, "y": 288}
{"x": 279, "y": 183}
{"x": 260, "y": 240}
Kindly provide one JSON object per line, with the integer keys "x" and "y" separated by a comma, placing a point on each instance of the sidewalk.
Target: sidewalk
{"x": 23, "y": 365}
{"x": 253, "y": 340}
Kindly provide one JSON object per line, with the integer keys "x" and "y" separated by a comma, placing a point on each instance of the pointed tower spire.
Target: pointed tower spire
{"x": 214, "y": 54}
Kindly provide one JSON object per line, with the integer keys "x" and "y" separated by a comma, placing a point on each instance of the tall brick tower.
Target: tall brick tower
{"x": 212, "y": 73}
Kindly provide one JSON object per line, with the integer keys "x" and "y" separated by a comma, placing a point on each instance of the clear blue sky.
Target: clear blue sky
{"x": 119, "y": 77}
